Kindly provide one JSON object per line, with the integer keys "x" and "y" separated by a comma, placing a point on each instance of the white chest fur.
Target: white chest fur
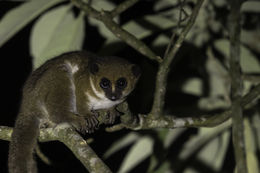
{"x": 100, "y": 103}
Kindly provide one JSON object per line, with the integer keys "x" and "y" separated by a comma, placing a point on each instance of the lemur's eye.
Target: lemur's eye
{"x": 105, "y": 83}
{"x": 121, "y": 83}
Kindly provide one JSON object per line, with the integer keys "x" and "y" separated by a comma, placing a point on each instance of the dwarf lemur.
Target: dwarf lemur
{"x": 70, "y": 89}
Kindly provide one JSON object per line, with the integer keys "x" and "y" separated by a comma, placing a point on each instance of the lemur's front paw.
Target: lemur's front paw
{"x": 111, "y": 116}
{"x": 92, "y": 122}
{"x": 85, "y": 124}
{"x": 80, "y": 124}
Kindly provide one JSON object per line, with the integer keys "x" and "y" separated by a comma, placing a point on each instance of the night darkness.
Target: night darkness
{"x": 16, "y": 65}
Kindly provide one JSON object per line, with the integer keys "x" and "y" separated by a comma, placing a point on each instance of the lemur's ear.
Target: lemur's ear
{"x": 93, "y": 68}
{"x": 136, "y": 70}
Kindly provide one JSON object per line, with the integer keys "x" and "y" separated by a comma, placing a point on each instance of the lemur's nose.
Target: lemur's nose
{"x": 113, "y": 98}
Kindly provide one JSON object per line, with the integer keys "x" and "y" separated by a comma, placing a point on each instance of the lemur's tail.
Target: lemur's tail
{"x": 22, "y": 145}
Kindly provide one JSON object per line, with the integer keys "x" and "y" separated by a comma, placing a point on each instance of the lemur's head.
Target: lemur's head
{"x": 112, "y": 79}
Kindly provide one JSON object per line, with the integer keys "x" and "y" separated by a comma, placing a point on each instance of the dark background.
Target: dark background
{"x": 16, "y": 65}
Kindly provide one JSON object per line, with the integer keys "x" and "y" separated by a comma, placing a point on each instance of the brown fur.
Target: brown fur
{"x": 53, "y": 94}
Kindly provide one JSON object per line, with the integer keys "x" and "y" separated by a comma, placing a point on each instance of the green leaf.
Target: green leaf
{"x": 190, "y": 170}
{"x": 252, "y": 161}
{"x": 172, "y": 136}
{"x": 168, "y": 8}
{"x": 256, "y": 128}
{"x": 249, "y": 137}
{"x": 142, "y": 149}
{"x": 103, "y": 30}
{"x": 248, "y": 61}
{"x": 164, "y": 4}
{"x": 164, "y": 167}
{"x": 251, "y": 6}
{"x": 168, "y": 136}
{"x": 251, "y": 39}
{"x": 211, "y": 145}
{"x": 161, "y": 40}
{"x": 220, "y": 3}
{"x": 56, "y": 32}
{"x": 162, "y": 135}
{"x": 103, "y": 5}
{"x": 15, "y": 0}
{"x": 214, "y": 152}
{"x": 133, "y": 27}
{"x": 219, "y": 84}
{"x": 193, "y": 86}
{"x": 121, "y": 143}
{"x": 218, "y": 76}
{"x": 20, "y": 16}
{"x": 140, "y": 31}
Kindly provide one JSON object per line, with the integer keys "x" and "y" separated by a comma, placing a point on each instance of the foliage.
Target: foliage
{"x": 59, "y": 27}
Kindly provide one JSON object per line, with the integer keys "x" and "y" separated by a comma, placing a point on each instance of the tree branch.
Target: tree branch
{"x": 145, "y": 122}
{"x": 92, "y": 162}
{"x": 171, "y": 121}
{"x": 236, "y": 86}
{"x": 122, "y": 7}
{"x": 162, "y": 75}
{"x": 253, "y": 78}
{"x": 122, "y": 34}
{"x": 67, "y": 135}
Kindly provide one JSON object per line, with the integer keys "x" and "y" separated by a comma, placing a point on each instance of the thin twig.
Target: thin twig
{"x": 253, "y": 78}
{"x": 171, "y": 43}
{"x": 80, "y": 148}
{"x": 120, "y": 33}
{"x": 236, "y": 87}
{"x": 171, "y": 121}
{"x": 122, "y": 7}
{"x": 182, "y": 3}
{"x": 167, "y": 121}
{"x": 162, "y": 74}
